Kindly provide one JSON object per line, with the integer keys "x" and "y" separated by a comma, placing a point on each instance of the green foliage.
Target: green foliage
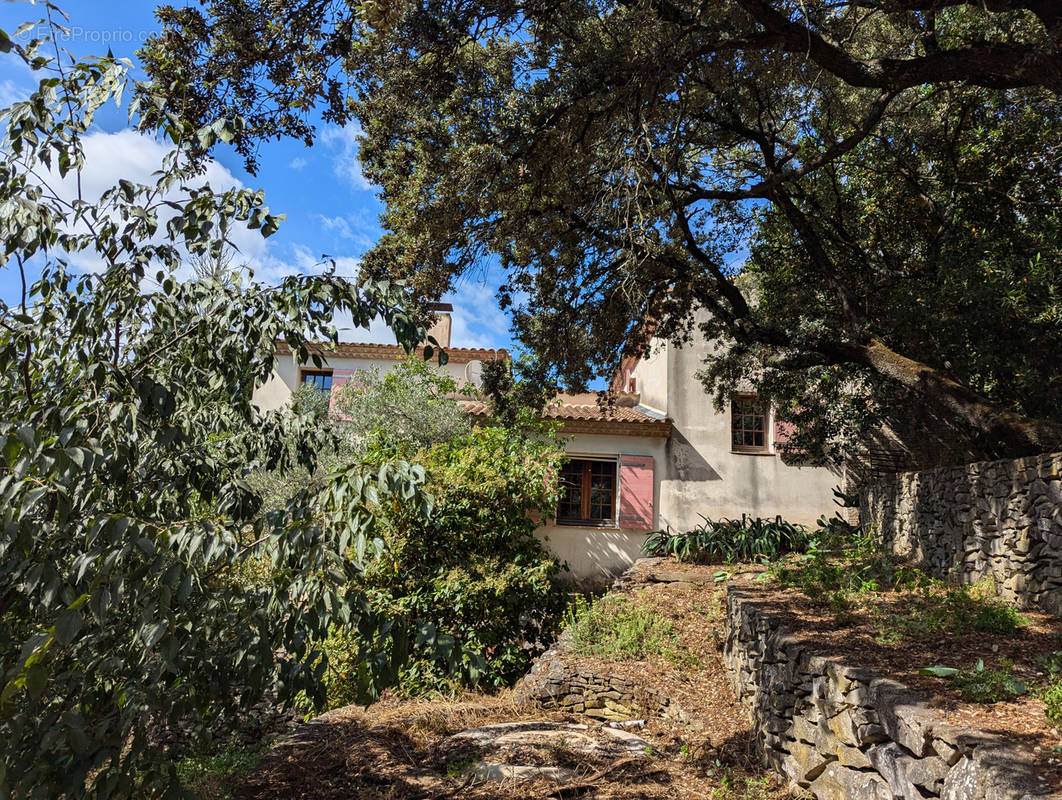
{"x": 982, "y": 685}
{"x": 1052, "y": 697}
{"x": 127, "y": 432}
{"x": 216, "y": 776}
{"x": 939, "y": 608}
{"x": 473, "y": 569}
{"x": 729, "y": 540}
{"x": 376, "y": 417}
{"x": 399, "y": 412}
{"x": 895, "y": 186}
{"x": 617, "y": 629}
{"x": 839, "y": 562}
{"x": 843, "y": 574}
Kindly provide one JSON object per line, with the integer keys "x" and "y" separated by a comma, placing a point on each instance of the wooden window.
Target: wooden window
{"x": 588, "y": 492}
{"x": 321, "y": 378}
{"x": 748, "y": 425}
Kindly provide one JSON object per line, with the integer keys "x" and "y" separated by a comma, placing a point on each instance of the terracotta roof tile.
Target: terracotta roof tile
{"x": 459, "y": 355}
{"x": 591, "y": 418}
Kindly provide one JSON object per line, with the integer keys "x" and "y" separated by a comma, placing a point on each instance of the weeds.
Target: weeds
{"x": 216, "y": 776}
{"x": 982, "y": 685}
{"x": 616, "y": 629}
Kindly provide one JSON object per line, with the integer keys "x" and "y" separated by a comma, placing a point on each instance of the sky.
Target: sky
{"x": 331, "y": 209}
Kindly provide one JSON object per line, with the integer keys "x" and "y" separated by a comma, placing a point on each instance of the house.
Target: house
{"x": 347, "y": 358}
{"x": 661, "y": 457}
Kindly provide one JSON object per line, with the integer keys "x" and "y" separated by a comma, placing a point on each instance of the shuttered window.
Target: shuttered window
{"x": 588, "y": 492}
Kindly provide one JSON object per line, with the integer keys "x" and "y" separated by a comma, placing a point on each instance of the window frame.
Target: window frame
{"x": 584, "y": 520}
{"x": 765, "y": 449}
{"x": 305, "y": 372}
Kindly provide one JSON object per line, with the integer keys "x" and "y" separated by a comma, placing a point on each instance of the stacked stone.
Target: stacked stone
{"x": 1000, "y": 520}
{"x": 844, "y": 733}
{"x": 555, "y": 682}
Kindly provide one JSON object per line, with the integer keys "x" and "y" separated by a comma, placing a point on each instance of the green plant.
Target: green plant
{"x": 216, "y": 776}
{"x": 729, "y": 540}
{"x": 616, "y": 628}
{"x": 472, "y": 569}
{"x": 126, "y": 433}
{"x": 1052, "y": 697}
{"x": 982, "y": 685}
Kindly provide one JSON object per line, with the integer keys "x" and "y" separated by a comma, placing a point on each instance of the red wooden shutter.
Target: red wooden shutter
{"x": 783, "y": 432}
{"x": 636, "y": 492}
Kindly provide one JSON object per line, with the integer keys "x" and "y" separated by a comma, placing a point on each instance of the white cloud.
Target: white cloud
{"x": 478, "y": 321}
{"x": 337, "y": 224}
{"x": 343, "y": 142}
{"x": 298, "y": 163}
{"x": 11, "y": 92}
{"x": 134, "y": 156}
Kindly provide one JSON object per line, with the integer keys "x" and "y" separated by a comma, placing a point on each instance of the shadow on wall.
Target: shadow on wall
{"x": 595, "y": 556}
{"x": 687, "y": 464}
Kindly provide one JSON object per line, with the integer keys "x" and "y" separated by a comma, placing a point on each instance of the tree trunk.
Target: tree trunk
{"x": 1005, "y": 431}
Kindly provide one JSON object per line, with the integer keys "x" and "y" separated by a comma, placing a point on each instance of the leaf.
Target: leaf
{"x": 67, "y": 626}
{"x": 939, "y": 672}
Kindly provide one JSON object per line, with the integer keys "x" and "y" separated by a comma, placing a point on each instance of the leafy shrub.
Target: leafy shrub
{"x": 127, "y": 430}
{"x": 834, "y": 567}
{"x": 729, "y": 540}
{"x": 1052, "y": 697}
{"x": 982, "y": 685}
{"x": 470, "y": 576}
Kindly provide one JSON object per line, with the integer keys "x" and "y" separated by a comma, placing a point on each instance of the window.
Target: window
{"x": 321, "y": 378}
{"x": 748, "y": 425}
{"x": 588, "y": 492}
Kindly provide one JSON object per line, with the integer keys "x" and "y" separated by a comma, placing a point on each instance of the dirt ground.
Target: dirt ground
{"x": 398, "y": 750}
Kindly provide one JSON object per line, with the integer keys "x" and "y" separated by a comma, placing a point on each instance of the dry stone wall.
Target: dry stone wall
{"x": 996, "y": 519}
{"x": 557, "y": 681}
{"x": 843, "y": 733}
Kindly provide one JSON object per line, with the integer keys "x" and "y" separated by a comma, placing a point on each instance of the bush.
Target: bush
{"x": 730, "y": 540}
{"x": 1052, "y": 697}
{"x": 470, "y": 576}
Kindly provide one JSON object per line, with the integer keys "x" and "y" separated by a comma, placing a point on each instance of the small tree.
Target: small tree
{"x": 126, "y": 435}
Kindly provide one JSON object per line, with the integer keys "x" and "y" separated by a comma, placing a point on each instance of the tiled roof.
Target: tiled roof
{"x": 459, "y": 355}
{"x": 592, "y": 418}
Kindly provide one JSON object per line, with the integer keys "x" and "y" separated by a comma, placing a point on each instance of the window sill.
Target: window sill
{"x": 567, "y": 523}
{"x": 753, "y": 453}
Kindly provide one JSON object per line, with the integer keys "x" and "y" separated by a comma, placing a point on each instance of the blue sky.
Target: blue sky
{"x": 331, "y": 209}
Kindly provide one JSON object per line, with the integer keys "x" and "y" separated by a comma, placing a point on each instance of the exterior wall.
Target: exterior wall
{"x": 701, "y": 475}
{"x": 998, "y": 519}
{"x": 596, "y": 554}
{"x": 651, "y": 378}
{"x": 277, "y": 391}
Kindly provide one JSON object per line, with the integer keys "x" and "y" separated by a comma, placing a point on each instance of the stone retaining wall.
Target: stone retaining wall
{"x": 995, "y": 519}
{"x": 845, "y": 734}
{"x": 556, "y": 682}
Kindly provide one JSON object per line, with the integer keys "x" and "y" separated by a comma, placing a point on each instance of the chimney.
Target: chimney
{"x": 440, "y": 328}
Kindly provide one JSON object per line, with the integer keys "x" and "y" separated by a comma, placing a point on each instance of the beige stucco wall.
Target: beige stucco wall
{"x": 594, "y": 554}
{"x": 651, "y": 378}
{"x": 276, "y": 392}
{"x": 701, "y": 475}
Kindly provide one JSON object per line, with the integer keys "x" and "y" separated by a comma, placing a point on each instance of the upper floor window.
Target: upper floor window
{"x": 748, "y": 425}
{"x": 588, "y": 492}
{"x": 321, "y": 378}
